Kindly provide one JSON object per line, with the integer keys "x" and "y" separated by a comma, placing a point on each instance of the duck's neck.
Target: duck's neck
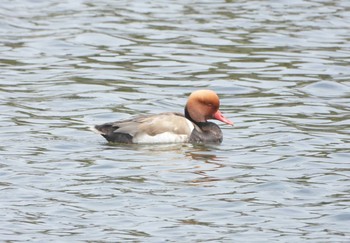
{"x": 187, "y": 115}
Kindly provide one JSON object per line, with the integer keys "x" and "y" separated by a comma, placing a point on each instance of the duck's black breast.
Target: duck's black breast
{"x": 206, "y": 132}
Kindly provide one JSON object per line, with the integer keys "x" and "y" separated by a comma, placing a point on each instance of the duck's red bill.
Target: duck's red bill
{"x": 218, "y": 116}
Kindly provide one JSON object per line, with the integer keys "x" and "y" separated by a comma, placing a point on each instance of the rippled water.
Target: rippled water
{"x": 281, "y": 69}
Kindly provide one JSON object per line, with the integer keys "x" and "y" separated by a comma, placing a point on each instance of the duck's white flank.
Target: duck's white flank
{"x": 165, "y": 137}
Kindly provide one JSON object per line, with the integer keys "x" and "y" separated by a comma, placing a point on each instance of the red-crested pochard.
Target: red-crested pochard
{"x": 172, "y": 127}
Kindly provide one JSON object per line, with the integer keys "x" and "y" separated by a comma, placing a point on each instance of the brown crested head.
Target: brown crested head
{"x": 203, "y": 105}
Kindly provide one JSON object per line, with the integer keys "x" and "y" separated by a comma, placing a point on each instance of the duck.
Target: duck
{"x": 171, "y": 127}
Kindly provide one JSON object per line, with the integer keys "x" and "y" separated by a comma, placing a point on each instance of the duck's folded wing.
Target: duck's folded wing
{"x": 164, "y": 127}
{"x": 165, "y": 122}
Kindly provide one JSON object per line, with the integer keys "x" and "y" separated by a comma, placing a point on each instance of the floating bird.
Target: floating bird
{"x": 171, "y": 127}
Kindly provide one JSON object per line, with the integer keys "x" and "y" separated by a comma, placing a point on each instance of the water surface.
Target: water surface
{"x": 281, "y": 70}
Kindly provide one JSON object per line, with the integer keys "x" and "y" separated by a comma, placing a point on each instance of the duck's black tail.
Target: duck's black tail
{"x": 108, "y": 131}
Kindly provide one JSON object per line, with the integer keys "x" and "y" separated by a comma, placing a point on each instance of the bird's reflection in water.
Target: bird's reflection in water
{"x": 204, "y": 157}
{"x": 212, "y": 162}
